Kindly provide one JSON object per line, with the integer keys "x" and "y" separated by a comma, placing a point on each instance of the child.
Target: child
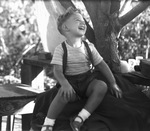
{"x": 78, "y": 81}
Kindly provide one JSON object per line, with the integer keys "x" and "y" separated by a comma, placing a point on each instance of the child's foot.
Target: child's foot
{"x": 76, "y": 125}
{"x": 47, "y": 128}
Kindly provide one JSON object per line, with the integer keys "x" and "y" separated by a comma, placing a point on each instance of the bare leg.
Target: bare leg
{"x": 54, "y": 110}
{"x": 95, "y": 92}
{"x": 57, "y": 105}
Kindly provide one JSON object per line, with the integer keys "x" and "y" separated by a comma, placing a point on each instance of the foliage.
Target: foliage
{"x": 134, "y": 37}
{"x": 19, "y": 34}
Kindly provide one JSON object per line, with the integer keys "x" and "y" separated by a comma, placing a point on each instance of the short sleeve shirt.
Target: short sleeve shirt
{"x": 77, "y": 60}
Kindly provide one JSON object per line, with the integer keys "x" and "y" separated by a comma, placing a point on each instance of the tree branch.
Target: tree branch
{"x": 105, "y": 6}
{"x": 66, "y": 3}
{"x": 125, "y": 19}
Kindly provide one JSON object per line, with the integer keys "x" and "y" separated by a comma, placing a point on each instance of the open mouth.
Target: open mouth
{"x": 82, "y": 28}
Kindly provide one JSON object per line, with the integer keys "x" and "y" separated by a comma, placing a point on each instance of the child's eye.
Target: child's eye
{"x": 78, "y": 20}
{"x": 81, "y": 21}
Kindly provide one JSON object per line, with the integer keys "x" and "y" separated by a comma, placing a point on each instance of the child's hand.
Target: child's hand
{"x": 116, "y": 90}
{"x": 67, "y": 91}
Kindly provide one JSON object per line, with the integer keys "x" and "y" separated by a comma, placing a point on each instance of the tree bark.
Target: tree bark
{"x": 125, "y": 19}
{"x": 66, "y": 3}
{"x": 107, "y": 24}
{"x": 100, "y": 13}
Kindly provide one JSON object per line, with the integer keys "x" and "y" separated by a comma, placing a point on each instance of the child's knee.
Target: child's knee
{"x": 101, "y": 88}
{"x": 104, "y": 86}
{"x": 61, "y": 99}
{"x": 97, "y": 88}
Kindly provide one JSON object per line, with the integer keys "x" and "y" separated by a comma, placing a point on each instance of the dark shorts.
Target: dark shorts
{"x": 81, "y": 82}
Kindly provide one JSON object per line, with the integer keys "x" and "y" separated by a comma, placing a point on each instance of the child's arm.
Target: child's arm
{"x": 66, "y": 89}
{"x": 105, "y": 70}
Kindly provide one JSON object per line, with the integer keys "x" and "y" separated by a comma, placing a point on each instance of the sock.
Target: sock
{"x": 49, "y": 121}
{"x": 84, "y": 114}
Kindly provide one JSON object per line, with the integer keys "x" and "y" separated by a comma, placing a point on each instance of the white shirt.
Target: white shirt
{"x": 78, "y": 59}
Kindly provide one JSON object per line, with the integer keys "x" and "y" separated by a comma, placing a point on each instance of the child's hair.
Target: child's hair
{"x": 62, "y": 18}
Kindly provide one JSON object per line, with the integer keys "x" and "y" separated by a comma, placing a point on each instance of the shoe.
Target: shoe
{"x": 76, "y": 125}
{"x": 47, "y": 128}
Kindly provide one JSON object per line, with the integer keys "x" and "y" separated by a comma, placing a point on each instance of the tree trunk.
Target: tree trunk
{"x": 107, "y": 24}
{"x": 100, "y": 13}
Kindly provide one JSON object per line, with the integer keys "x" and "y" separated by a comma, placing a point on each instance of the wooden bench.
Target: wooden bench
{"x": 16, "y": 99}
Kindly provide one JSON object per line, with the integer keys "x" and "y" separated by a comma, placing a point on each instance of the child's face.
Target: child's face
{"x": 76, "y": 25}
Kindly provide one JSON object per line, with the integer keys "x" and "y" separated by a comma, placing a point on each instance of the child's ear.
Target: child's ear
{"x": 65, "y": 28}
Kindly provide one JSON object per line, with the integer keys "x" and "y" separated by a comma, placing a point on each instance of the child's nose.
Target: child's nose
{"x": 82, "y": 22}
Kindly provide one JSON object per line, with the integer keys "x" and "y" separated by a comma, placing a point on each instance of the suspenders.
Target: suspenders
{"x": 65, "y": 55}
